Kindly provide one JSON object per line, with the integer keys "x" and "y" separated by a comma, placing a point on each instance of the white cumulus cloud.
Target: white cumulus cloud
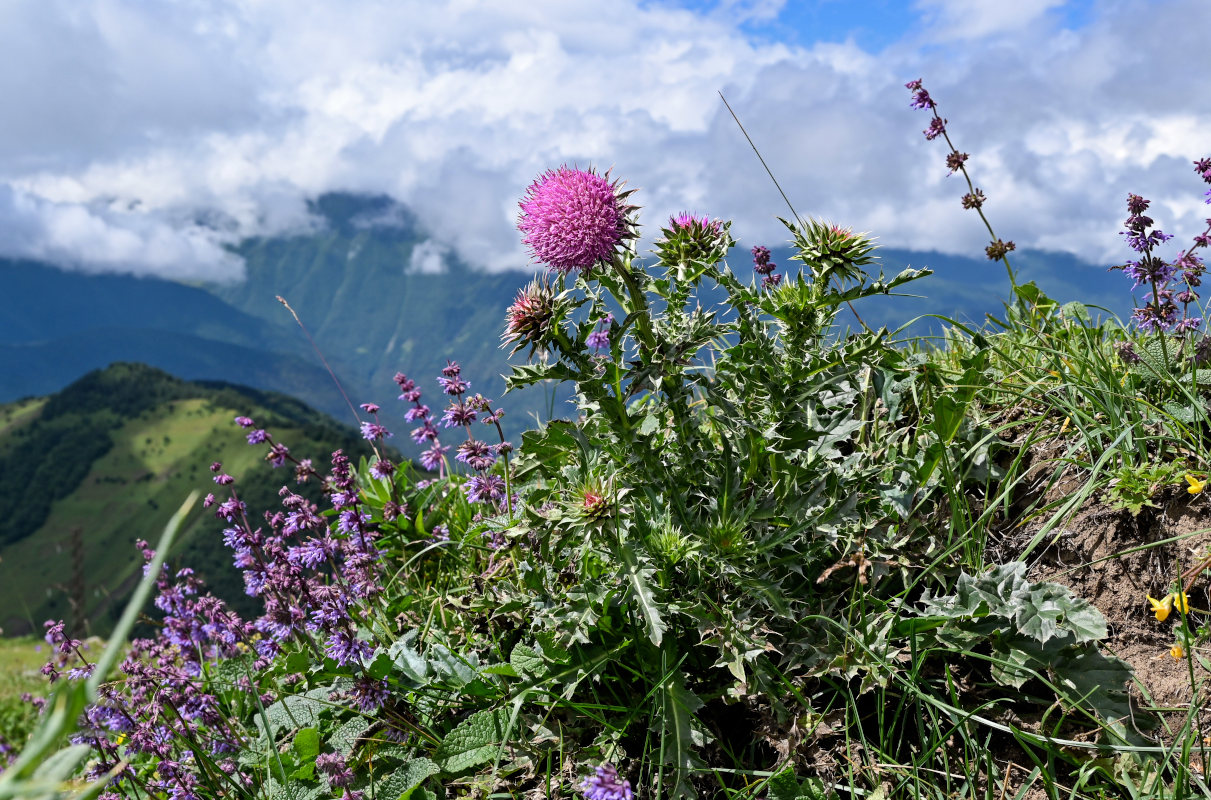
{"x": 142, "y": 137}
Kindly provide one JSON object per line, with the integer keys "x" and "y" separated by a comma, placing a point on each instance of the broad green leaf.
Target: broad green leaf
{"x": 307, "y": 743}
{"x": 475, "y": 741}
{"x": 400, "y": 784}
{"x": 344, "y": 739}
{"x": 528, "y": 661}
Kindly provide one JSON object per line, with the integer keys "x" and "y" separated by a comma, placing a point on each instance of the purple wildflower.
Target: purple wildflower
{"x": 484, "y": 488}
{"x": 450, "y": 380}
{"x": 332, "y": 765}
{"x": 415, "y": 413}
{"x": 937, "y": 127}
{"x": 258, "y": 436}
{"x": 382, "y": 469}
{"x": 277, "y": 455}
{"x": 425, "y": 433}
{"x": 431, "y": 459}
{"x": 369, "y": 695}
{"x": 458, "y": 414}
{"x": 761, "y": 262}
{"x": 686, "y": 221}
{"x": 600, "y": 338}
{"x": 244, "y": 422}
{"x": 476, "y": 454}
{"x": 372, "y": 431}
{"x": 572, "y": 219}
{"x": 955, "y": 161}
{"x": 344, "y": 647}
{"x": 920, "y": 97}
{"x": 370, "y": 408}
{"x": 606, "y": 785}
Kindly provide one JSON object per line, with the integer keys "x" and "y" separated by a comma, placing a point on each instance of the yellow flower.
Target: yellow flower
{"x": 1064, "y": 427}
{"x": 1196, "y": 486}
{"x": 1181, "y": 602}
{"x": 1162, "y": 607}
{"x": 1177, "y": 652}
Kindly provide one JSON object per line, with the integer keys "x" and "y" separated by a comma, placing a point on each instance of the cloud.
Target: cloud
{"x": 112, "y": 240}
{"x": 428, "y": 258}
{"x": 163, "y": 131}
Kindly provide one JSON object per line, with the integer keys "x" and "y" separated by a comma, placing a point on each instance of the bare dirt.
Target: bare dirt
{"x": 1116, "y": 561}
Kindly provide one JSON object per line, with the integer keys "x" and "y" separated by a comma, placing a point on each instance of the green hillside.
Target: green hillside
{"x": 106, "y": 461}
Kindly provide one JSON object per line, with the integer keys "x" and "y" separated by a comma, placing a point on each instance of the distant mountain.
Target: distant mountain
{"x": 362, "y": 283}
{"x": 57, "y": 325}
{"x": 88, "y": 470}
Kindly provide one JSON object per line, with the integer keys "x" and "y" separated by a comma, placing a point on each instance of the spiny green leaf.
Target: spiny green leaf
{"x": 639, "y": 589}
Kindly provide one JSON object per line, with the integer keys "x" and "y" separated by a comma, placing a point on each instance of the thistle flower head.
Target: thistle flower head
{"x": 689, "y": 239}
{"x": 573, "y": 219}
{"x": 829, "y": 250}
{"x": 531, "y": 317}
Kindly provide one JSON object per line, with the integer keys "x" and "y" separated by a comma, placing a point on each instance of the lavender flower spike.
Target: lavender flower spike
{"x": 605, "y": 785}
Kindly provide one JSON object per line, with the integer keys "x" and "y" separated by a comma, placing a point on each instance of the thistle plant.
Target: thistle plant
{"x": 746, "y": 526}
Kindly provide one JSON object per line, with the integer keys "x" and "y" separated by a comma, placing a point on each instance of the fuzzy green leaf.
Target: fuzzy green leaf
{"x": 403, "y": 782}
{"x": 528, "y": 661}
{"x": 475, "y": 741}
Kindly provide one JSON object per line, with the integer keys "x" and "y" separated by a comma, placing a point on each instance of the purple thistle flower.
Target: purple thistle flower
{"x": 572, "y": 219}
{"x": 686, "y": 220}
{"x": 431, "y": 459}
{"x": 605, "y": 785}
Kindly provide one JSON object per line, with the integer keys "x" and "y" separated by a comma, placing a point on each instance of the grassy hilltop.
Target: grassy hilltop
{"x": 87, "y": 471}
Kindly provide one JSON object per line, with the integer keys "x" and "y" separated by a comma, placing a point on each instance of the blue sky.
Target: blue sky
{"x": 128, "y": 122}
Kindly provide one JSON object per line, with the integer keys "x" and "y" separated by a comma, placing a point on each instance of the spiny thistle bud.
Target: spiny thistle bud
{"x": 531, "y": 318}
{"x": 574, "y": 219}
{"x": 692, "y": 240}
{"x": 829, "y": 249}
